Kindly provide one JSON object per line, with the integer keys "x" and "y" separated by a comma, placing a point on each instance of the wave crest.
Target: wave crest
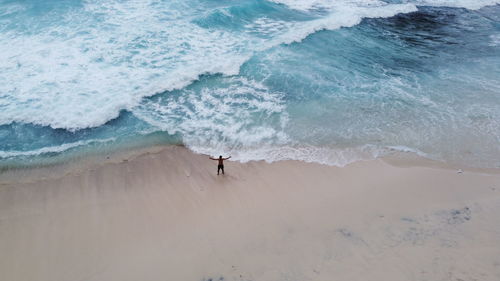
{"x": 328, "y": 5}
{"x": 89, "y": 63}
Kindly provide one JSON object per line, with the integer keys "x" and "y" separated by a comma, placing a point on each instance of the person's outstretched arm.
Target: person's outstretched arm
{"x": 212, "y": 158}
{"x": 227, "y": 158}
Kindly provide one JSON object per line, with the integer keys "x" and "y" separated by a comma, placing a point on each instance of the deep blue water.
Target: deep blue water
{"x": 325, "y": 81}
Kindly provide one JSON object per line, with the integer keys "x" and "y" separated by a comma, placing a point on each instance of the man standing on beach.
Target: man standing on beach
{"x": 221, "y": 163}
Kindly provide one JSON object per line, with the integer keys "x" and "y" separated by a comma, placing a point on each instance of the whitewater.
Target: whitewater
{"x": 320, "y": 81}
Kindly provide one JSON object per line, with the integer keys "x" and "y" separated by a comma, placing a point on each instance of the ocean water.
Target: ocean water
{"x": 328, "y": 81}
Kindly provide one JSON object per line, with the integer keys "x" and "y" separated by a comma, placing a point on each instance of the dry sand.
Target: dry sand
{"x": 167, "y": 216}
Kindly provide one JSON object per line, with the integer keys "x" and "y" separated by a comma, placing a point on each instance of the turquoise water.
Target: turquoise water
{"x": 323, "y": 81}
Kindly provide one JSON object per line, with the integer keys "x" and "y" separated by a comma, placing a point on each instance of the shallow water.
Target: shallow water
{"x": 323, "y": 81}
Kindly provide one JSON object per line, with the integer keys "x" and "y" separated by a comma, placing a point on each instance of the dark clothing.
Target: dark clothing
{"x": 221, "y": 163}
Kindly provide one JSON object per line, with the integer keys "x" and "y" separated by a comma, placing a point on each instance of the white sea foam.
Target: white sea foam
{"x": 468, "y": 4}
{"x": 495, "y": 40}
{"x": 52, "y": 149}
{"x": 11, "y": 8}
{"x": 308, "y": 5}
{"x": 240, "y": 113}
{"x": 81, "y": 72}
{"x": 244, "y": 119}
{"x": 328, "y": 5}
{"x": 339, "y": 157}
{"x": 346, "y": 16}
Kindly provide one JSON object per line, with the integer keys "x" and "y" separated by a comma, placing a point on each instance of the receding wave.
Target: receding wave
{"x": 52, "y": 149}
{"x": 332, "y": 156}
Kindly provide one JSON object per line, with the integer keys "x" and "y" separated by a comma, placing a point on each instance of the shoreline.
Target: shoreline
{"x": 81, "y": 163}
{"x": 166, "y": 215}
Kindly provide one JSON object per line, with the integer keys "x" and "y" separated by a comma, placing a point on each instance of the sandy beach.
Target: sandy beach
{"x": 364, "y": 138}
{"x": 166, "y": 215}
